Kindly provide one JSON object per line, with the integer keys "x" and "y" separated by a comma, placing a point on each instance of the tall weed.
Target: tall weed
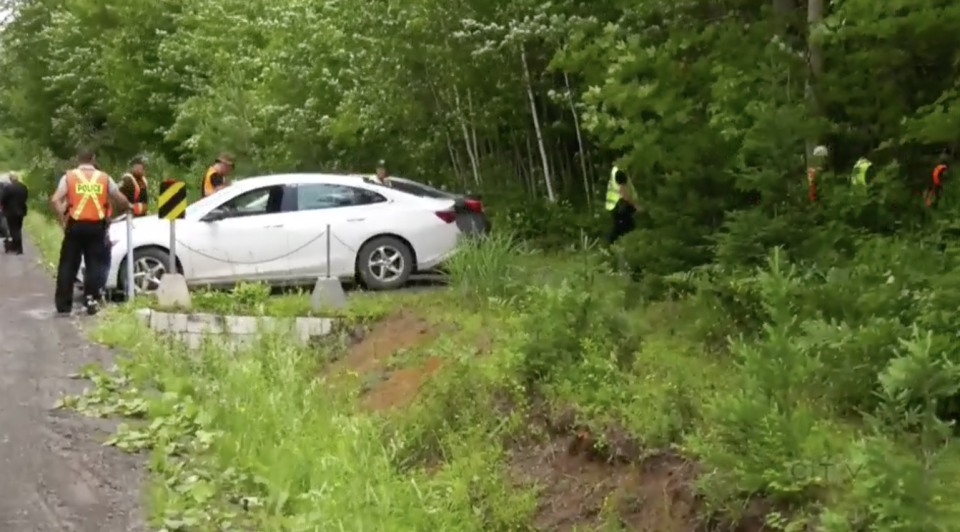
{"x": 484, "y": 268}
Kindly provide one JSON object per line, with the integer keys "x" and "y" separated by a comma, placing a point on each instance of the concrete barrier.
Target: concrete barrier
{"x": 193, "y": 329}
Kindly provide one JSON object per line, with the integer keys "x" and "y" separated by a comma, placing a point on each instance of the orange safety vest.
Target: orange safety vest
{"x": 812, "y": 183}
{"x": 87, "y": 195}
{"x": 933, "y": 193}
{"x": 139, "y": 206}
{"x": 207, "y": 186}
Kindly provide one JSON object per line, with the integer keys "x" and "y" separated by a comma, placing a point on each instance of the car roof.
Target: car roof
{"x": 367, "y": 182}
{"x": 282, "y": 179}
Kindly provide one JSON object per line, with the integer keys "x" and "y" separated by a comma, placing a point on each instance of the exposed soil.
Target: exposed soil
{"x": 587, "y": 480}
{"x": 371, "y": 357}
{"x": 580, "y": 492}
{"x": 400, "y": 387}
{"x": 400, "y": 331}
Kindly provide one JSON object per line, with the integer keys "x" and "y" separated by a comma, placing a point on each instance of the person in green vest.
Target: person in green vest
{"x": 622, "y": 204}
{"x": 861, "y": 172}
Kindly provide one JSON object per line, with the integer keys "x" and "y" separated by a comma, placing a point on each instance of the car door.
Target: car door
{"x": 242, "y": 239}
{"x": 344, "y": 209}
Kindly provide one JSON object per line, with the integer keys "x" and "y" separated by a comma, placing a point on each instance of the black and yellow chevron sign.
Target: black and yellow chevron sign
{"x": 172, "y": 204}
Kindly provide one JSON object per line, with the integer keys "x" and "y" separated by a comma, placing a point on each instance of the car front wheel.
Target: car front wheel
{"x": 149, "y": 265}
{"x": 385, "y": 263}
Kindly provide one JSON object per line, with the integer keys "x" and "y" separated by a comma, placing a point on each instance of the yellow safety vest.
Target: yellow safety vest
{"x": 613, "y": 190}
{"x": 859, "y": 175}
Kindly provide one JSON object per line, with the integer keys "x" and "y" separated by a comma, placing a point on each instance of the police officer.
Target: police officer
{"x": 13, "y": 209}
{"x": 938, "y": 176}
{"x": 815, "y": 166}
{"x": 215, "y": 177}
{"x": 861, "y": 173}
{"x": 133, "y": 185}
{"x": 80, "y": 203}
{"x": 382, "y": 175}
{"x": 622, "y": 204}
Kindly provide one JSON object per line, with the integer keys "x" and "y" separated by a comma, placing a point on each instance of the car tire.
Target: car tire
{"x": 150, "y": 253}
{"x": 373, "y": 251}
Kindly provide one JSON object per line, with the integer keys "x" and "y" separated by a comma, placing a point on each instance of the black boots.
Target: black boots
{"x": 92, "y": 306}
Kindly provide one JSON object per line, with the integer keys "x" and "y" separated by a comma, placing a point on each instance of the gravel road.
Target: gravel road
{"x": 55, "y": 476}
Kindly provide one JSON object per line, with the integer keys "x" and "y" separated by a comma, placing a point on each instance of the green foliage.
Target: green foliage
{"x": 796, "y": 332}
{"x": 527, "y": 103}
{"x": 833, "y": 401}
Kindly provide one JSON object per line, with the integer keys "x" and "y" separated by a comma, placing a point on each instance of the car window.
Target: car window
{"x": 323, "y": 196}
{"x": 266, "y": 200}
{"x": 418, "y": 189}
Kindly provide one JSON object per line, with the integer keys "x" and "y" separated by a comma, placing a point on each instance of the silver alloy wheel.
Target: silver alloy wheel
{"x": 386, "y": 263}
{"x": 147, "y": 272}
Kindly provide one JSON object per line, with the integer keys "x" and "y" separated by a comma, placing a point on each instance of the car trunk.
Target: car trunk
{"x": 471, "y": 220}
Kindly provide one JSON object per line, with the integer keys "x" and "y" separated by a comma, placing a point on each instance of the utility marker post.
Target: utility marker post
{"x": 328, "y": 251}
{"x": 172, "y": 206}
{"x": 131, "y": 280}
{"x": 172, "y": 265}
{"x": 328, "y": 292}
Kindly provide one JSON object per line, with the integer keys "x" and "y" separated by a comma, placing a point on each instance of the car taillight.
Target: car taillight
{"x": 474, "y": 205}
{"x": 447, "y": 216}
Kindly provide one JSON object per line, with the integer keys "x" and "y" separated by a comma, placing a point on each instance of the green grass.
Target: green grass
{"x": 536, "y": 353}
{"x": 46, "y": 235}
{"x": 256, "y": 299}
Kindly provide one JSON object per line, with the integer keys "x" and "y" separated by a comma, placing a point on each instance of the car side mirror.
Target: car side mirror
{"x": 214, "y": 216}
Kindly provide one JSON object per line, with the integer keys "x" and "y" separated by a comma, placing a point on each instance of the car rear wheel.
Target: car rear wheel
{"x": 385, "y": 263}
{"x": 149, "y": 265}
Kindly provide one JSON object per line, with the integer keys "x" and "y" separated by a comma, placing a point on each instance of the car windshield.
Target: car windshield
{"x": 201, "y": 205}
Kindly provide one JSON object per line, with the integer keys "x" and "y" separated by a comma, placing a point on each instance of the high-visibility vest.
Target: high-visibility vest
{"x": 933, "y": 193}
{"x": 812, "y": 183}
{"x": 139, "y": 200}
{"x": 859, "y": 175}
{"x": 206, "y": 186}
{"x": 87, "y": 195}
{"x": 613, "y": 190}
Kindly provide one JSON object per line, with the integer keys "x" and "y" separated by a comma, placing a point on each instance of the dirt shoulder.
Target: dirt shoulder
{"x": 56, "y": 474}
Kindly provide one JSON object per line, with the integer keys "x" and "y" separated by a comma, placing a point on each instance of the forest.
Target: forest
{"x": 712, "y": 107}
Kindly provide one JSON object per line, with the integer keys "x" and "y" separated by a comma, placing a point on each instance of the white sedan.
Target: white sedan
{"x": 273, "y": 229}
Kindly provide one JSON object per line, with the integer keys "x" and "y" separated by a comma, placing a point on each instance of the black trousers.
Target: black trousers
{"x": 81, "y": 240}
{"x": 15, "y": 227}
{"x": 622, "y": 218}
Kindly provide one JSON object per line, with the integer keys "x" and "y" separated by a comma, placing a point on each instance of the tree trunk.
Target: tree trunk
{"x": 466, "y": 141}
{"x": 454, "y": 160}
{"x": 587, "y": 182}
{"x": 473, "y": 129}
{"x": 815, "y": 69}
{"x": 547, "y": 178}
